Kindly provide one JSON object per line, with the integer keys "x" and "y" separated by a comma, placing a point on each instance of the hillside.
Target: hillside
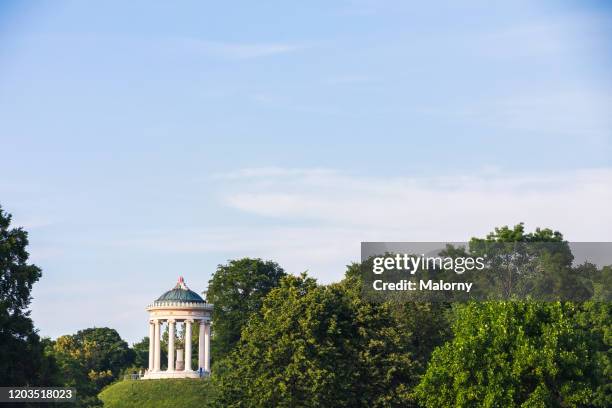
{"x": 184, "y": 393}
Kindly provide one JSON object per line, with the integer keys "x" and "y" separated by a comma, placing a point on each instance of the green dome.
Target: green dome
{"x": 180, "y": 293}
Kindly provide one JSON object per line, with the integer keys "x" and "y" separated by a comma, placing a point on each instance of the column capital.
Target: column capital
{"x": 171, "y": 320}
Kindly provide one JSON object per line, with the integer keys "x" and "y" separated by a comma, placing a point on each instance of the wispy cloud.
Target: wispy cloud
{"x": 315, "y": 219}
{"x": 350, "y": 79}
{"x": 274, "y": 172}
{"x": 578, "y": 112}
{"x": 371, "y": 7}
{"x": 285, "y": 103}
{"x": 542, "y": 39}
{"x": 527, "y": 40}
{"x": 239, "y": 51}
{"x": 432, "y": 208}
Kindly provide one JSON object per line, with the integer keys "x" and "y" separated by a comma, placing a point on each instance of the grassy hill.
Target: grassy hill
{"x": 184, "y": 393}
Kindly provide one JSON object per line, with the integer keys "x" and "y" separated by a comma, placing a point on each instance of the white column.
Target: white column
{"x": 170, "y": 345}
{"x": 207, "y": 347}
{"x": 188, "y": 345}
{"x": 157, "y": 348}
{"x": 151, "y": 344}
{"x": 201, "y": 346}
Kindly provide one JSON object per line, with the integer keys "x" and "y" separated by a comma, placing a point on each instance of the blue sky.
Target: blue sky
{"x": 143, "y": 141}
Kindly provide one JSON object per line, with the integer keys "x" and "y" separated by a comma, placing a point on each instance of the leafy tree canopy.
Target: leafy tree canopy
{"x": 317, "y": 346}
{"x": 141, "y": 353}
{"x": 89, "y": 360}
{"x": 511, "y": 354}
{"x": 537, "y": 264}
{"x": 22, "y": 360}
{"x": 237, "y": 290}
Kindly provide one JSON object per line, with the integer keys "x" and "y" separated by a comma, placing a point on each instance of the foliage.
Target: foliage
{"x": 423, "y": 326}
{"x": 527, "y": 353}
{"x": 237, "y": 290}
{"x": 22, "y": 360}
{"x": 89, "y": 360}
{"x": 184, "y": 393}
{"x": 141, "y": 353}
{"x": 507, "y": 354}
{"x": 317, "y": 346}
{"x": 600, "y": 278}
{"x": 595, "y": 319}
{"x": 286, "y": 341}
{"x": 521, "y": 265}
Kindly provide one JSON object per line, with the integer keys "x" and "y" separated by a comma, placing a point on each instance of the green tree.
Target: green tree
{"x": 141, "y": 353}
{"x": 595, "y": 319}
{"x": 22, "y": 361}
{"x": 423, "y": 326}
{"x": 237, "y": 290}
{"x": 526, "y": 353}
{"x": 520, "y": 264}
{"x": 317, "y": 346}
{"x": 511, "y": 354}
{"x": 89, "y": 360}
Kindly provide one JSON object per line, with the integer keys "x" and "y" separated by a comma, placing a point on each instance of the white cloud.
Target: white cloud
{"x": 316, "y": 219}
{"x": 296, "y": 248}
{"x": 436, "y": 207}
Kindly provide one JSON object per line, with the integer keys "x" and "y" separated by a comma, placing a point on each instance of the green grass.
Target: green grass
{"x": 184, "y": 393}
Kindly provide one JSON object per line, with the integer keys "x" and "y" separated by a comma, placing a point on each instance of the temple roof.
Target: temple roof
{"x": 180, "y": 293}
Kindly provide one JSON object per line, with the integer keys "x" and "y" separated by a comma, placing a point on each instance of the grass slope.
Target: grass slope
{"x": 184, "y": 393}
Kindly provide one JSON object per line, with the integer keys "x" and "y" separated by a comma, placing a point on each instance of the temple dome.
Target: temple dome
{"x": 180, "y": 293}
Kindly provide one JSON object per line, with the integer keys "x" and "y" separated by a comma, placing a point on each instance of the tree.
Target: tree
{"x": 141, "y": 353}
{"x": 90, "y": 359}
{"x": 524, "y": 353}
{"x": 423, "y": 326}
{"x": 22, "y": 361}
{"x": 520, "y": 264}
{"x": 511, "y": 354}
{"x": 595, "y": 319}
{"x": 317, "y": 346}
{"x": 237, "y": 290}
